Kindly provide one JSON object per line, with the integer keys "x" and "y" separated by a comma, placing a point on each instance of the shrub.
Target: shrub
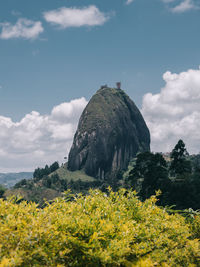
{"x": 2, "y": 190}
{"x": 99, "y": 229}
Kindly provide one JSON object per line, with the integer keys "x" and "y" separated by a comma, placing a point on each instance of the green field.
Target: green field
{"x": 64, "y": 173}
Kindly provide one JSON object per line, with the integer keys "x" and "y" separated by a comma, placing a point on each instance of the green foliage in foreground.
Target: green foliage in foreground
{"x": 97, "y": 230}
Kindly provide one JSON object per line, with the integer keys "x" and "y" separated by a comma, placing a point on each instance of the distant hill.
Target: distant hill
{"x": 10, "y": 179}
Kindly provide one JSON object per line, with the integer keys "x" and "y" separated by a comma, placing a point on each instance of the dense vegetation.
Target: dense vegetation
{"x": 178, "y": 179}
{"x": 2, "y": 190}
{"x": 114, "y": 229}
{"x": 49, "y": 182}
{"x": 103, "y": 227}
{"x": 39, "y": 173}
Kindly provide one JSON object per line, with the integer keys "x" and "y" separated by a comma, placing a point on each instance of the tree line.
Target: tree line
{"x": 178, "y": 179}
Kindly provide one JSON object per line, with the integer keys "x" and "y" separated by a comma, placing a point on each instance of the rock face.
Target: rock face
{"x": 110, "y": 132}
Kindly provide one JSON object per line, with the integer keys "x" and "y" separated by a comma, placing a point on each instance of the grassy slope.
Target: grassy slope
{"x": 38, "y": 192}
{"x": 64, "y": 173}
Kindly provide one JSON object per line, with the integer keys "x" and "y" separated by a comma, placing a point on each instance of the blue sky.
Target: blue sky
{"x": 137, "y": 44}
{"x": 64, "y": 59}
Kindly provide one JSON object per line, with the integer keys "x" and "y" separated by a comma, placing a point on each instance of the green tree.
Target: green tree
{"x": 151, "y": 170}
{"x": 54, "y": 166}
{"x": 179, "y": 164}
{"x": 21, "y": 183}
{"x": 2, "y": 190}
{"x": 39, "y": 173}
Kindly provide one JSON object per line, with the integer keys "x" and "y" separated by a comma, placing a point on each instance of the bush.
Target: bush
{"x": 2, "y": 190}
{"x": 99, "y": 229}
{"x": 21, "y": 183}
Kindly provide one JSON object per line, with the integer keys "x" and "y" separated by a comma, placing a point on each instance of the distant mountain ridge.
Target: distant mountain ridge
{"x": 10, "y": 179}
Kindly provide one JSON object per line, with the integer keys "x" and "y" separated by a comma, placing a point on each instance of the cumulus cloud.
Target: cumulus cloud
{"x": 184, "y": 6}
{"x": 129, "y": 2}
{"x": 174, "y": 113}
{"x": 76, "y": 17}
{"x": 38, "y": 139}
{"x": 23, "y": 28}
{"x": 177, "y": 6}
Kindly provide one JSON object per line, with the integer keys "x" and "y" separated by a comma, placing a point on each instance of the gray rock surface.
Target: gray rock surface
{"x": 110, "y": 132}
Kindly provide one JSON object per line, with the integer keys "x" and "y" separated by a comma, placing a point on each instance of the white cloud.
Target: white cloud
{"x": 23, "y": 28}
{"x": 76, "y": 17}
{"x": 168, "y": 1}
{"x": 38, "y": 139}
{"x": 181, "y": 6}
{"x": 184, "y": 6}
{"x": 129, "y": 2}
{"x": 174, "y": 113}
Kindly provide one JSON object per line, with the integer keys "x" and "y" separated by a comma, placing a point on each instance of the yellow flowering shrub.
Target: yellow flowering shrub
{"x": 195, "y": 226}
{"x": 95, "y": 230}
